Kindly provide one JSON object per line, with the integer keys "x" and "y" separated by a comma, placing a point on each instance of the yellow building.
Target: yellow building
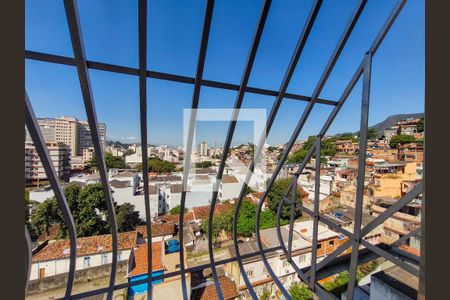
{"x": 388, "y": 178}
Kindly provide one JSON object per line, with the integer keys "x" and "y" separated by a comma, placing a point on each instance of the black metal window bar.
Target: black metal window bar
{"x": 309, "y": 275}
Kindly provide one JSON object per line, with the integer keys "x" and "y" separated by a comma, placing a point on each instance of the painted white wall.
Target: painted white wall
{"x": 280, "y": 268}
{"x": 229, "y": 191}
{"x": 60, "y": 266}
{"x": 40, "y": 195}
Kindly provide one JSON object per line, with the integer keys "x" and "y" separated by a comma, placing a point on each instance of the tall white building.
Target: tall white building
{"x": 70, "y": 131}
{"x": 60, "y": 156}
{"x": 203, "y": 149}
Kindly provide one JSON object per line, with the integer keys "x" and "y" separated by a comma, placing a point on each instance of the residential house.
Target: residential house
{"x": 388, "y": 178}
{"x": 53, "y": 258}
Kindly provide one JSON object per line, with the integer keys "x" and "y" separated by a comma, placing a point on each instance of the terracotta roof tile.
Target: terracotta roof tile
{"x": 202, "y": 212}
{"x": 52, "y": 233}
{"x": 140, "y": 259}
{"x": 86, "y": 246}
{"x": 158, "y": 229}
{"x": 189, "y": 216}
{"x": 228, "y": 287}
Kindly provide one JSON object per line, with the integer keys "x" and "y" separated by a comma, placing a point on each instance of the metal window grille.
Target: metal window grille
{"x": 309, "y": 275}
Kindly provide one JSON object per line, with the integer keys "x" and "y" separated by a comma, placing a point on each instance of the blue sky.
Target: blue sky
{"x": 174, "y": 31}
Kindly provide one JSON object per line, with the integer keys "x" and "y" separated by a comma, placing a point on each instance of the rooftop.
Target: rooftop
{"x": 140, "y": 264}
{"x": 207, "y": 291}
{"x": 270, "y": 238}
{"x": 86, "y": 246}
{"x": 158, "y": 229}
{"x": 305, "y": 229}
{"x": 202, "y": 212}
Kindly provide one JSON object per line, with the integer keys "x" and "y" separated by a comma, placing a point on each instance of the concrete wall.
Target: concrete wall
{"x": 61, "y": 266}
{"x": 60, "y": 281}
{"x": 380, "y": 290}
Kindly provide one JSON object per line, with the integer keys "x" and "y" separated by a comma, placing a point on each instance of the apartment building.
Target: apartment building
{"x": 388, "y": 178}
{"x": 401, "y": 223}
{"x": 60, "y": 156}
{"x": 203, "y": 149}
{"x": 346, "y": 147}
{"x": 88, "y": 154}
{"x": 70, "y": 131}
{"x": 84, "y": 136}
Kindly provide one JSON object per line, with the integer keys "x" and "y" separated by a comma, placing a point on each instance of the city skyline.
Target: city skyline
{"x": 397, "y": 89}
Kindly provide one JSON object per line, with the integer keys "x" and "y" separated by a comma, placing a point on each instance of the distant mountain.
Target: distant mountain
{"x": 392, "y": 120}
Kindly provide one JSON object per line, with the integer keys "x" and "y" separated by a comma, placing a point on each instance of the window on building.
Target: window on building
{"x": 302, "y": 258}
{"x": 250, "y": 272}
{"x": 319, "y": 245}
{"x": 331, "y": 243}
{"x": 87, "y": 262}
{"x": 286, "y": 264}
{"x": 119, "y": 255}
{"x": 104, "y": 259}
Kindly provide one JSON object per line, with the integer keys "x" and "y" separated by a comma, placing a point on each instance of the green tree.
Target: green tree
{"x": 215, "y": 229}
{"x": 328, "y": 148}
{"x": 203, "y": 164}
{"x": 372, "y": 134}
{"x": 176, "y": 210}
{"x": 246, "y": 222}
{"x": 300, "y": 292}
{"x": 127, "y": 218}
{"x": 338, "y": 285}
{"x": 421, "y": 125}
{"x": 45, "y": 214}
{"x": 159, "y": 166}
{"x": 401, "y": 139}
{"x": 111, "y": 162}
{"x": 88, "y": 207}
{"x": 275, "y": 195}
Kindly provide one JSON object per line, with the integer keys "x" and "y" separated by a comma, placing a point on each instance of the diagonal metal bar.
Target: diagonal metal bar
{"x": 142, "y": 25}
{"x": 363, "y": 133}
{"x": 312, "y": 280}
{"x": 226, "y": 147}
{"x": 73, "y": 21}
{"x": 95, "y": 65}
{"x": 39, "y": 144}
{"x": 190, "y": 137}
{"x": 285, "y": 83}
{"x": 393, "y": 209}
{"x": 292, "y": 217}
{"x": 326, "y": 220}
{"x": 28, "y": 251}
{"x": 390, "y": 257}
{"x": 330, "y": 257}
{"x": 406, "y": 236}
